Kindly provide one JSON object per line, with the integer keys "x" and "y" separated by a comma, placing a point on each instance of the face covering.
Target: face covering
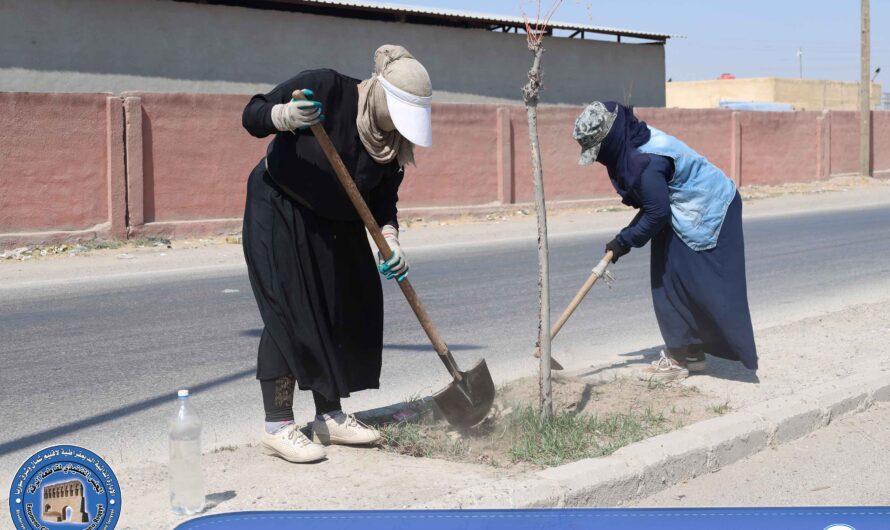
{"x": 376, "y": 130}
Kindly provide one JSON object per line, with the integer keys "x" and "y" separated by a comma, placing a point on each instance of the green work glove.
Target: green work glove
{"x": 298, "y": 114}
{"x": 397, "y": 265}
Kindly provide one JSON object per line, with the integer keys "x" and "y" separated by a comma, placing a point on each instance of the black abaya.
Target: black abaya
{"x": 310, "y": 265}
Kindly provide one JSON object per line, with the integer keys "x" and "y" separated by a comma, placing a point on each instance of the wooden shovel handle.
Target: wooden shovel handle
{"x": 371, "y": 224}
{"x": 597, "y": 273}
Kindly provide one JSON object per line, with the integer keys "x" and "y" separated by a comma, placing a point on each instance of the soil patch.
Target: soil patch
{"x": 590, "y": 419}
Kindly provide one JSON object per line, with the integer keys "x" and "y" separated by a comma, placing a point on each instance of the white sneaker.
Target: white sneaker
{"x": 292, "y": 445}
{"x": 343, "y": 429}
{"x": 664, "y": 369}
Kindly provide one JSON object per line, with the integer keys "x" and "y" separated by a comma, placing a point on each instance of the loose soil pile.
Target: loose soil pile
{"x": 590, "y": 419}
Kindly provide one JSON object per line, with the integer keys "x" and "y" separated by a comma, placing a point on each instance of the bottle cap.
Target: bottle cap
{"x": 183, "y": 393}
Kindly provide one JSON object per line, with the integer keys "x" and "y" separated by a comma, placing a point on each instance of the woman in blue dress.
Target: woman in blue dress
{"x": 692, "y": 214}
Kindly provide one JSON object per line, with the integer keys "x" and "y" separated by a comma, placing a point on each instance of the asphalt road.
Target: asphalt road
{"x": 99, "y": 364}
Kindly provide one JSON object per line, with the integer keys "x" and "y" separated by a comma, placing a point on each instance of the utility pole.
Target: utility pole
{"x": 800, "y": 60}
{"x": 865, "y": 94}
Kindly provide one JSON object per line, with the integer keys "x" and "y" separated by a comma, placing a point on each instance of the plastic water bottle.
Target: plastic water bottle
{"x": 186, "y": 471}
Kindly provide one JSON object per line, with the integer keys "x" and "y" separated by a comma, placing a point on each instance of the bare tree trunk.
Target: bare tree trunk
{"x": 530, "y": 93}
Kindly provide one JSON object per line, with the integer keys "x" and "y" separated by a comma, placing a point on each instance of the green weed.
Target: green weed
{"x": 567, "y": 436}
{"x": 721, "y": 408}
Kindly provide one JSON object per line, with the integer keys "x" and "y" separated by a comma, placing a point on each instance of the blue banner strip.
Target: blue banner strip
{"x": 839, "y": 518}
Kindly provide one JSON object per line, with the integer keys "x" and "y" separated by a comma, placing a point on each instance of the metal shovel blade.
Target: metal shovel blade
{"x": 466, "y": 403}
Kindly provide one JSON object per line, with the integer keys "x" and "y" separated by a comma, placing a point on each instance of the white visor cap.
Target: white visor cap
{"x": 410, "y": 114}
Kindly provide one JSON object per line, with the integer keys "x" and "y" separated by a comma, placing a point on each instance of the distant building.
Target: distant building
{"x": 64, "y": 502}
{"x": 248, "y": 46}
{"x": 800, "y": 94}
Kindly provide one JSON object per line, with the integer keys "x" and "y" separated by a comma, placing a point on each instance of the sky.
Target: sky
{"x": 747, "y": 38}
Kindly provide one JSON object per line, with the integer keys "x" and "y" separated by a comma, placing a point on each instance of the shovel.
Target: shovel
{"x": 467, "y": 400}
{"x": 598, "y": 272}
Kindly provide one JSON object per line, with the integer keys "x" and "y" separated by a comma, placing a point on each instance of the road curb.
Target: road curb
{"x": 647, "y": 467}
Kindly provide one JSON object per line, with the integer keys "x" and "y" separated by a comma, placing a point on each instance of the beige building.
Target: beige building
{"x": 802, "y": 94}
{"x": 64, "y": 502}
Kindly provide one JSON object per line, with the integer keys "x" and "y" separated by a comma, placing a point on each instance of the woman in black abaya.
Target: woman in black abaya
{"x": 310, "y": 265}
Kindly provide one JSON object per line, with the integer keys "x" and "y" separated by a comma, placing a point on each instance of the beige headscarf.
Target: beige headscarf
{"x": 401, "y": 69}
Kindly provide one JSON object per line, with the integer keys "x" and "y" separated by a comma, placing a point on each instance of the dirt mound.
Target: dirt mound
{"x": 589, "y": 419}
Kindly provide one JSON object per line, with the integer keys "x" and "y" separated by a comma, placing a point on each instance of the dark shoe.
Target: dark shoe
{"x": 696, "y": 362}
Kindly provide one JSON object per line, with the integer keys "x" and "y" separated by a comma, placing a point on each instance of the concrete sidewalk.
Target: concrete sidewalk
{"x": 800, "y": 390}
{"x": 843, "y": 464}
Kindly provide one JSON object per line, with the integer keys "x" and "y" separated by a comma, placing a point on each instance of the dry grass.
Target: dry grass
{"x": 720, "y": 408}
{"x": 589, "y": 420}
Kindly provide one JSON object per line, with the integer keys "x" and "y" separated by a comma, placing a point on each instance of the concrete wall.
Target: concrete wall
{"x": 81, "y": 166}
{"x": 467, "y": 142}
{"x": 62, "y": 165}
{"x": 776, "y": 143}
{"x": 844, "y": 146}
{"x": 803, "y": 94}
{"x": 845, "y": 143}
{"x": 194, "y": 154}
{"x": 165, "y": 46}
{"x": 880, "y": 148}
{"x": 565, "y": 179}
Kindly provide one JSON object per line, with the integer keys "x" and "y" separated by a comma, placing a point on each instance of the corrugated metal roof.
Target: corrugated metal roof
{"x": 467, "y": 16}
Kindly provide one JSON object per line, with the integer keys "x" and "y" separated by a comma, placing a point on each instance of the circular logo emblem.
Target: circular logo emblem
{"x": 839, "y": 527}
{"x": 65, "y": 486}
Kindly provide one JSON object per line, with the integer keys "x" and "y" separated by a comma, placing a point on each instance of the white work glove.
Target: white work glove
{"x": 396, "y": 266}
{"x": 298, "y": 114}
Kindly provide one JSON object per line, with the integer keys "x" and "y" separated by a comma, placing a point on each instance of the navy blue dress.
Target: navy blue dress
{"x": 700, "y": 298}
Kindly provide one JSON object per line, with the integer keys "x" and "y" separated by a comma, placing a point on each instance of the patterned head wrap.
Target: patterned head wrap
{"x": 591, "y": 128}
